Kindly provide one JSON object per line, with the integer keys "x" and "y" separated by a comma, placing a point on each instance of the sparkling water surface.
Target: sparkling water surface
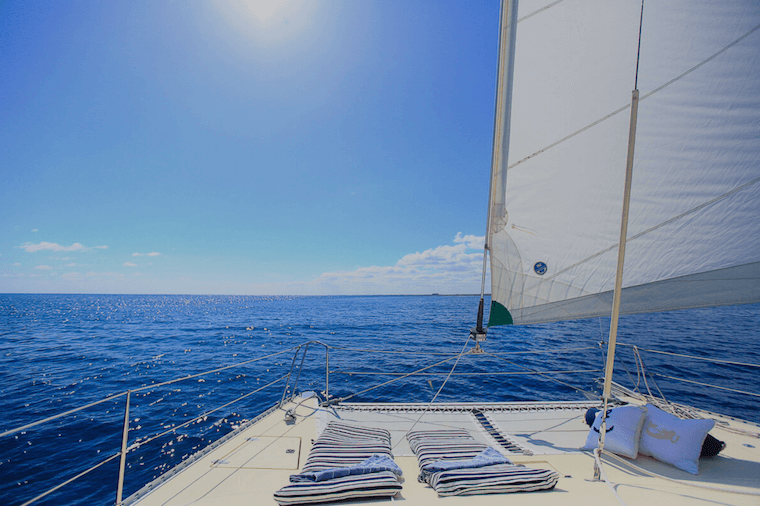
{"x": 59, "y": 352}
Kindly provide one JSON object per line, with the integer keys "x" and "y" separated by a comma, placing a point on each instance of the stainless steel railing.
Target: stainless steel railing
{"x": 295, "y": 372}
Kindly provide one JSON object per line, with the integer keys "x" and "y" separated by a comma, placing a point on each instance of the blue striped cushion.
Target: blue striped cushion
{"x": 383, "y": 484}
{"x": 452, "y": 445}
{"x": 497, "y": 479}
{"x": 342, "y": 445}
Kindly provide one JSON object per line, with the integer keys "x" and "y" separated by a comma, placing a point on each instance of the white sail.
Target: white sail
{"x": 694, "y": 225}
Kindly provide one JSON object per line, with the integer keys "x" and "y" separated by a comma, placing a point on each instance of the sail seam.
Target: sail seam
{"x": 542, "y": 9}
{"x": 627, "y": 106}
{"x": 660, "y": 225}
{"x": 528, "y": 315}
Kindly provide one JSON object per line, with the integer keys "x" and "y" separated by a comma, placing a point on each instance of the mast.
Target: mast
{"x": 500, "y": 151}
{"x": 621, "y": 247}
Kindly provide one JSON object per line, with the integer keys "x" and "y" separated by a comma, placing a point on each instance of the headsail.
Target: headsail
{"x": 694, "y": 227}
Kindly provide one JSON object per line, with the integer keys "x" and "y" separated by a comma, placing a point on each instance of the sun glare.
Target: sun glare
{"x": 268, "y": 20}
{"x": 265, "y": 11}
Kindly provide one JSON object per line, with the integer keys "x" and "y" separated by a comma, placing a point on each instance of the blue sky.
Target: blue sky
{"x": 317, "y": 147}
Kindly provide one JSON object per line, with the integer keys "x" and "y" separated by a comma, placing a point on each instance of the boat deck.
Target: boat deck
{"x": 256, "y": 460}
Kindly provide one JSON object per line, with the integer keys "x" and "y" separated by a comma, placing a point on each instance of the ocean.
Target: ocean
{"x": 60, "y": 352}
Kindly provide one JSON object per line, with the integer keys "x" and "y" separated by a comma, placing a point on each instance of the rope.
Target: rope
{"x": 638, "y": 376}
{"x": 662, "y": 395}
{"x": 604, "y": 476}
{"x": 640, "y": 364}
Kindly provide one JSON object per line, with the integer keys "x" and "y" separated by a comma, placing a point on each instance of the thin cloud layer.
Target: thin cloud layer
{"x": 152, "y": 254}
{"x": 51, "y": 246}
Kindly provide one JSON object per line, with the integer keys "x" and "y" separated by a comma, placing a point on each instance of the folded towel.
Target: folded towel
{"x": 487, "y": 457}
{"x": 374, "y": 464}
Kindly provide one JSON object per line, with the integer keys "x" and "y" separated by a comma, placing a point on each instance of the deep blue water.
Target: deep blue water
{"x": 59, "y": 352}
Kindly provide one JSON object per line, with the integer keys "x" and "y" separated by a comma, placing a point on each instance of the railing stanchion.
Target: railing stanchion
{"x": 123, "y": 460}
{"x": 300, "y": 369}
{"x": 327, "y": 373}
{"x": 287, "y": 381}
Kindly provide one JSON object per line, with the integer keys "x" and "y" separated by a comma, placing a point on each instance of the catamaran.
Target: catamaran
{"x": 625, "y": 179}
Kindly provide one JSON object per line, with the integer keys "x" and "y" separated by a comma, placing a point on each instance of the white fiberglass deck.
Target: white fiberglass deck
{"x": 248, "y": 467}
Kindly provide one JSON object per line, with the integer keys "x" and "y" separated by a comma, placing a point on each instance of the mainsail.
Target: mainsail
{"x": 694, "y": 225}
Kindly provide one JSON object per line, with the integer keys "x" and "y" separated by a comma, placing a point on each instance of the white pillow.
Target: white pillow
{"x": 623, "y": 431}
{"x": 672, "y": 440}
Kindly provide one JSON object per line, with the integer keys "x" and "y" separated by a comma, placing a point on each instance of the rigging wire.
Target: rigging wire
{"x": 343, "y": 399}
{"x": 145, "y": 387}
{"x": 578, "y": 389}
{"x": 713, "y": 360}
{"x": 423, "y": 353}
{"x": 466, "y": 342}
{"x": 138, "y": 444}
{"x": 528, "y": 373}
{"x": 706, "y": 385}
{"x": 44, "y": 494}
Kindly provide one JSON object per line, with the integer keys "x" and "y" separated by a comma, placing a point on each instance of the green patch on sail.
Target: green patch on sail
{"x": 499, "y": 315}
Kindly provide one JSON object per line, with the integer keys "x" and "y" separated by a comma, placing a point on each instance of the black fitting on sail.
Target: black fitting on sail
{"x": 478, "y": 334}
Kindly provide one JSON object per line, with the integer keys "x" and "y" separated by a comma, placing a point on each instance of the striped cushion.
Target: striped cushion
{"x": 337, "y": 431}
{"x": 498, "y": 479}
{"x": 383, "y": 484}
{"x": 342, "y": 445}
{"x": 432, "y": 446}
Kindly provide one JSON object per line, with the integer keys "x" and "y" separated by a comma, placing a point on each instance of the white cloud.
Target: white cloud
{"x": 17, "y": 263}
{"x": 35, "y": 230}
{"x": 129, "y": 264}
{"x": 471, "y": 241}
{"x": 43, "y": 267}
{"x": 32, "y": 248}
{"x": 152, "y": 254}
{"x": 446, "y": 269}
